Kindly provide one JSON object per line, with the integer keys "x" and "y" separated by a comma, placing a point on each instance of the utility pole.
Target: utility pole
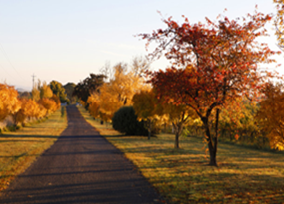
{"x": 33, "y": 76}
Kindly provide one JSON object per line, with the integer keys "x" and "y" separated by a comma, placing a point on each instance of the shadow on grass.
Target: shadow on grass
{"x": 15, "y": 157}
{"x": 164, "y": 151}
{"x": 125, "y": 136}
{"x": 183, "y": 175}
{"x": 27, "y": 136}
{"x": 2, "y": 141}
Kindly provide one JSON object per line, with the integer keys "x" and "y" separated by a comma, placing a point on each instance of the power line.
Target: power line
{"x": 8, "y": 59}
{"x": 4, "y": 52}
{"x": 7, "y": 72}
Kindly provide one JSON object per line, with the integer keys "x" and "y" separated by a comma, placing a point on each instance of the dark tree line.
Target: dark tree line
{"x": 89, "y": 85}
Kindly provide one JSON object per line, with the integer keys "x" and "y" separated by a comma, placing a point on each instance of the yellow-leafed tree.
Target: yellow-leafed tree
{"x": 35, "y": 93}
{"x": 33, "y": 109}
{"x": 29, "y": 109}
{"x": 49, "y": 105}
{"x": 93, "y": 101}
{"x": 118, "y": 91}
{"x": 45, "y": 91}
{"x": 179, "y": 116}
{"x": 147, "y": 108}
{"x": 20, "y": 116}
{"x": 56, "y": 99}
{"x": 238, "y": 120}
{"x": 9, "y": 103}
{"x": 271, "y": 115}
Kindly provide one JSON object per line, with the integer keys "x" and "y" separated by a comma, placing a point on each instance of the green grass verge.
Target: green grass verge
{"x": 244, "y": 175}
{"x": 20, "y": 148}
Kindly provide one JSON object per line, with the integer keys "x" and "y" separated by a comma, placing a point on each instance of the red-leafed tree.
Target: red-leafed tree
{"x": 211, "y": 64}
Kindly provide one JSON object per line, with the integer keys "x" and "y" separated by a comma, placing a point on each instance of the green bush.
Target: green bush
{"x": 125, "y": 121}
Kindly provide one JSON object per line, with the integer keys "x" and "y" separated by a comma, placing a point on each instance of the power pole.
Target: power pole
{"x": 33, "y": 76}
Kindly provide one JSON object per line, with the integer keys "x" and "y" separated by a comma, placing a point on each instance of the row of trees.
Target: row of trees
{"x": 42, "y": 103}
{"x": 105, "y": 94}
{"x": 212, "y": 65}
{"x": 64, "y": 93}
{"x": 216, "y": 81}
{"x": 243, "y": 121}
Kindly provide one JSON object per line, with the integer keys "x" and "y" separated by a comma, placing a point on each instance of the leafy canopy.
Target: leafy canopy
{"x": 88, "y": 86}
{"x": 211, "y": 65}
{"x": 58, "y": 90}
{"x": 271, "y": 115}
{"x": 279, "y": 22}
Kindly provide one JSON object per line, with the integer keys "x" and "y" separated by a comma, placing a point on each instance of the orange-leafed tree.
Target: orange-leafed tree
{"x": 9, "y": 103}
{"x": 56, "y": 99}
{"x": 28, "y": 109}
{"x": 93, "y": 102}
{"x": 19, "y": 116}
{"x": 271, "y": 115}
{"x": 211, "y": 64}
{"x": 49, "y": 105}
{"x": 32, "y": 109}
{"x": 279, "y": 22}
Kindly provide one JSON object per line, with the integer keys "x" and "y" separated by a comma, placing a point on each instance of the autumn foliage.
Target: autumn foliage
{"x": 271, "y": 115}
{"x": 153, "y": 110}
{"x": 216, "y": 81}
{"x": 110, "y": 96}
{"x": 146, "y": 108}
{"x": 21, "y": 108}
{"x": 212, "y": 65}
{"x": 9, "y": 103}
{"x": 279, "y": 22}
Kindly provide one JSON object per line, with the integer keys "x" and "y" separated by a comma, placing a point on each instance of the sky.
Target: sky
{"x": 66, "y": 40}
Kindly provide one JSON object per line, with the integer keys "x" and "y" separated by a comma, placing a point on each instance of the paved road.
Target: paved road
{"x": 81, "y": 167}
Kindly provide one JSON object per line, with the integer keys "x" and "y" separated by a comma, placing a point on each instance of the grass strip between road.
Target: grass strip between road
{"x": 20, "y": 148}
{"x": 244, "y": 175}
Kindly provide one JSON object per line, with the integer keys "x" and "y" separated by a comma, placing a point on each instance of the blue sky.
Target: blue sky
{"x": 65, "y": 40}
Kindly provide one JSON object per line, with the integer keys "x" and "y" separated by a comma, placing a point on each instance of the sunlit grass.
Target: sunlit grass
{"x": 244, "y": 175}
{"x": 20, "y": 148}
{"x": 104, "y": 129}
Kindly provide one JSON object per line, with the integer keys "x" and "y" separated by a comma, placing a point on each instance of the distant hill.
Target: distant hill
{"x": 21, "y": 90}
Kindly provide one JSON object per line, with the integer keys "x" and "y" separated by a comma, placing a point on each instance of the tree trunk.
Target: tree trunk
{"x": 213, "y": 161}
{"x": 165, "y": 128}
{"x": 178, "y": 129}
{"x": 149, "y": 129}
{"x": 211, "y": 147}
{"x": 263, "y": 141}
{"x": 212, "y": 141}
{"x": 177, "y": 141}
{"x": 14, "y": 116}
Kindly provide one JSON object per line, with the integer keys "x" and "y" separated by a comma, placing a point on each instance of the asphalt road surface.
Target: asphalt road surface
{"x": 81, "y": 167}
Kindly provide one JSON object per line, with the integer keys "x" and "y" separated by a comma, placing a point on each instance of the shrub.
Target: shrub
{"x": 125, "y": 121}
